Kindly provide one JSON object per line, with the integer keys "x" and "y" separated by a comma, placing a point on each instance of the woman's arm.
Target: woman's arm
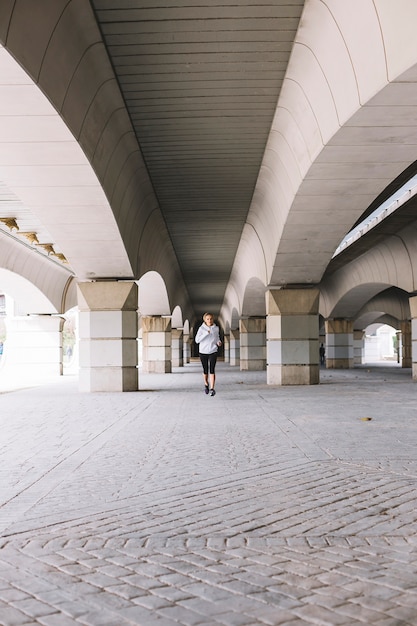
{"x": 200, "y": 334}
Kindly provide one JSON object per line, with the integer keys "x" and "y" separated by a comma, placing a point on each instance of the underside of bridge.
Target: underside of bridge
{"x": 211, "y": 154}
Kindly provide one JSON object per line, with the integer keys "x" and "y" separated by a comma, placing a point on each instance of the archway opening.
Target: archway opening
{"x": 381, "y": 345}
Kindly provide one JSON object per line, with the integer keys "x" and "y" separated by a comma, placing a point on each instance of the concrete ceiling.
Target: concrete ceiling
{"x": 201, "y": 84}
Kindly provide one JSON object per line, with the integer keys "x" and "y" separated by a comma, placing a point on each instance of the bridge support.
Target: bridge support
{"x": 406, "y": 360}
{"x": 234, "y": 349}
{"x": 186, "y": 348}
{"x": 292, "y": 326}
{"x": 252, "y": 343}
{"x": 108, "y": 329}
{"x": 358, "y": 346}
{"x": 177, "y": 347}
{"x": 33, "y": 349}
{"x": 156, "y": 342}
{"x": 413, "y": 310}
{"x": 339, "y": 344}
{"x": 226, "y": 348}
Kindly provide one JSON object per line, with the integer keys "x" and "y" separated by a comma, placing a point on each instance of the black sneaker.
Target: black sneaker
{"x": 206, "y": 389}
{"x": 212, "y": 392}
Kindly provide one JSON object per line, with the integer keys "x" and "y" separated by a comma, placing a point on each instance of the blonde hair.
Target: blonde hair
{"x": 205, "y": 315}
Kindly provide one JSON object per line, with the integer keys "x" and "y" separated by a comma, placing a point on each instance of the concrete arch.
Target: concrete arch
{"x": 254, "y": 303}
{"x": 353, "y": 300}
{"x": 250, "y": 261}
{"x": 176, "y": 318}
{"x": 389, "y": 321}
{"x": 389, "y": 264}
{"x": 230, "y": 312}
{"x": 389, "y": 307}
{"x": 157, "y": 254}
{"x": 33, "y": 280}
{"x": 234, "y": 320}
{"x": 55, "y": 190}
{"x": 348, "y": 93}
{"x": 29, "y": 299}
{"x": 375, "y": 317}
{"x": 340, "y": 135}
{"x": 107, "y": 235}
{"x": 392, "y": 303}
{"x": 153, "y": 295}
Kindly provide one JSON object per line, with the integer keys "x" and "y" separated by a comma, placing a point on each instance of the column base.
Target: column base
{"x": 157, "y": 367}
{"x": 293, "y": 374}
{"x": 339, "y": 364}
{"x": 114, "y": 379}
{"x": 252, "y": 365}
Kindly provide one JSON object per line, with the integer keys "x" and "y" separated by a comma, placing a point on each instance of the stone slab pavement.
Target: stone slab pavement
{"x": 262, "y": 505}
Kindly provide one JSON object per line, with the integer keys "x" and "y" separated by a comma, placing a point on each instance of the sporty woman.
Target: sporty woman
{"x": 208, "y": 339}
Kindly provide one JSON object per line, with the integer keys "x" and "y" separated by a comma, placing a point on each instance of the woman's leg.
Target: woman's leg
{"x": 212, "y": 363}
{"x": 204, "y": 358}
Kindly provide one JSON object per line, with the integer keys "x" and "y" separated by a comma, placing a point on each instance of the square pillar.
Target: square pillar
{"x": 292, "y": 330}
{"x": 413, "y": 310}
{"x": 108, "y": 328}
{"x": 252, "y": 344}
{"x": 33, "y": 348}
{"x": 156, "y": 341}
{"x": 406, "y": 360}
{"x": 234, "y": 350}
{"x": 339, "y": 348}
{"x": 186, "y": 348}
{"x": 226, "y": 348}
{"x": 358, "y": 346}
{"x": 177, "y": 347}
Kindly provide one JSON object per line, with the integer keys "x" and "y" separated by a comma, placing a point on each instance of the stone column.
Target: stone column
{"x": 156, "y": 340}
{"x": 33, "y": 347}
{"x": 108, "y": 328}
{"x": 292, "y": 336}
{"x": 235, "y": 348}
{"x": 339, "y": 344}
{"x": 226, "y": 348}
{"x": 186, "y": 348}
{"x": 177, "y": 347}
{"x": 358, "y": 346}
{"x": 406, "y": 360}
{"x": 252, "y": 344}
{"x": 413, "y": 310}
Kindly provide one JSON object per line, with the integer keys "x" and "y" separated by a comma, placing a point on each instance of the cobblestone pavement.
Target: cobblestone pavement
{"x": 262, "y": 505}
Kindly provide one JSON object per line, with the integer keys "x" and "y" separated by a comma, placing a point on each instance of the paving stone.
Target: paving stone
{"x": 150, "y": 508}
{"x": 11, "y": 616}
{"x": 57, "y": 619}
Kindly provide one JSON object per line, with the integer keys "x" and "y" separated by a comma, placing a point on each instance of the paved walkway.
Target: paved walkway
{"x": 292, "y": 505}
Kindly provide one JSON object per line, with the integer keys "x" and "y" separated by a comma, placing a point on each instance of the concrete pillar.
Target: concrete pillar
{"x": 252, "y": 344}
{"x": 292, "y": 325}
{"x": 156, "y": 341}
{"x": 177, "y": 347}
{"x": 413, "y": 310}
{"x": 358, "y": 346}
{"x": 33, "y": 347}
{"x": 406, "y": 360}
{"x": 339, "y": 344}
{"x": 186, "y": 348}
{"x": 226, "y": 348}
{"x": 234, "y": 347}
{"x": 108, "y": 328}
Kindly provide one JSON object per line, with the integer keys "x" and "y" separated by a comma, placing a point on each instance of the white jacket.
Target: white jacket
{"x": 207, "y": 337}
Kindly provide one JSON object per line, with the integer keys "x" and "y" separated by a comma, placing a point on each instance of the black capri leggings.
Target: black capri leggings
{"x": 208, "y": 361}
